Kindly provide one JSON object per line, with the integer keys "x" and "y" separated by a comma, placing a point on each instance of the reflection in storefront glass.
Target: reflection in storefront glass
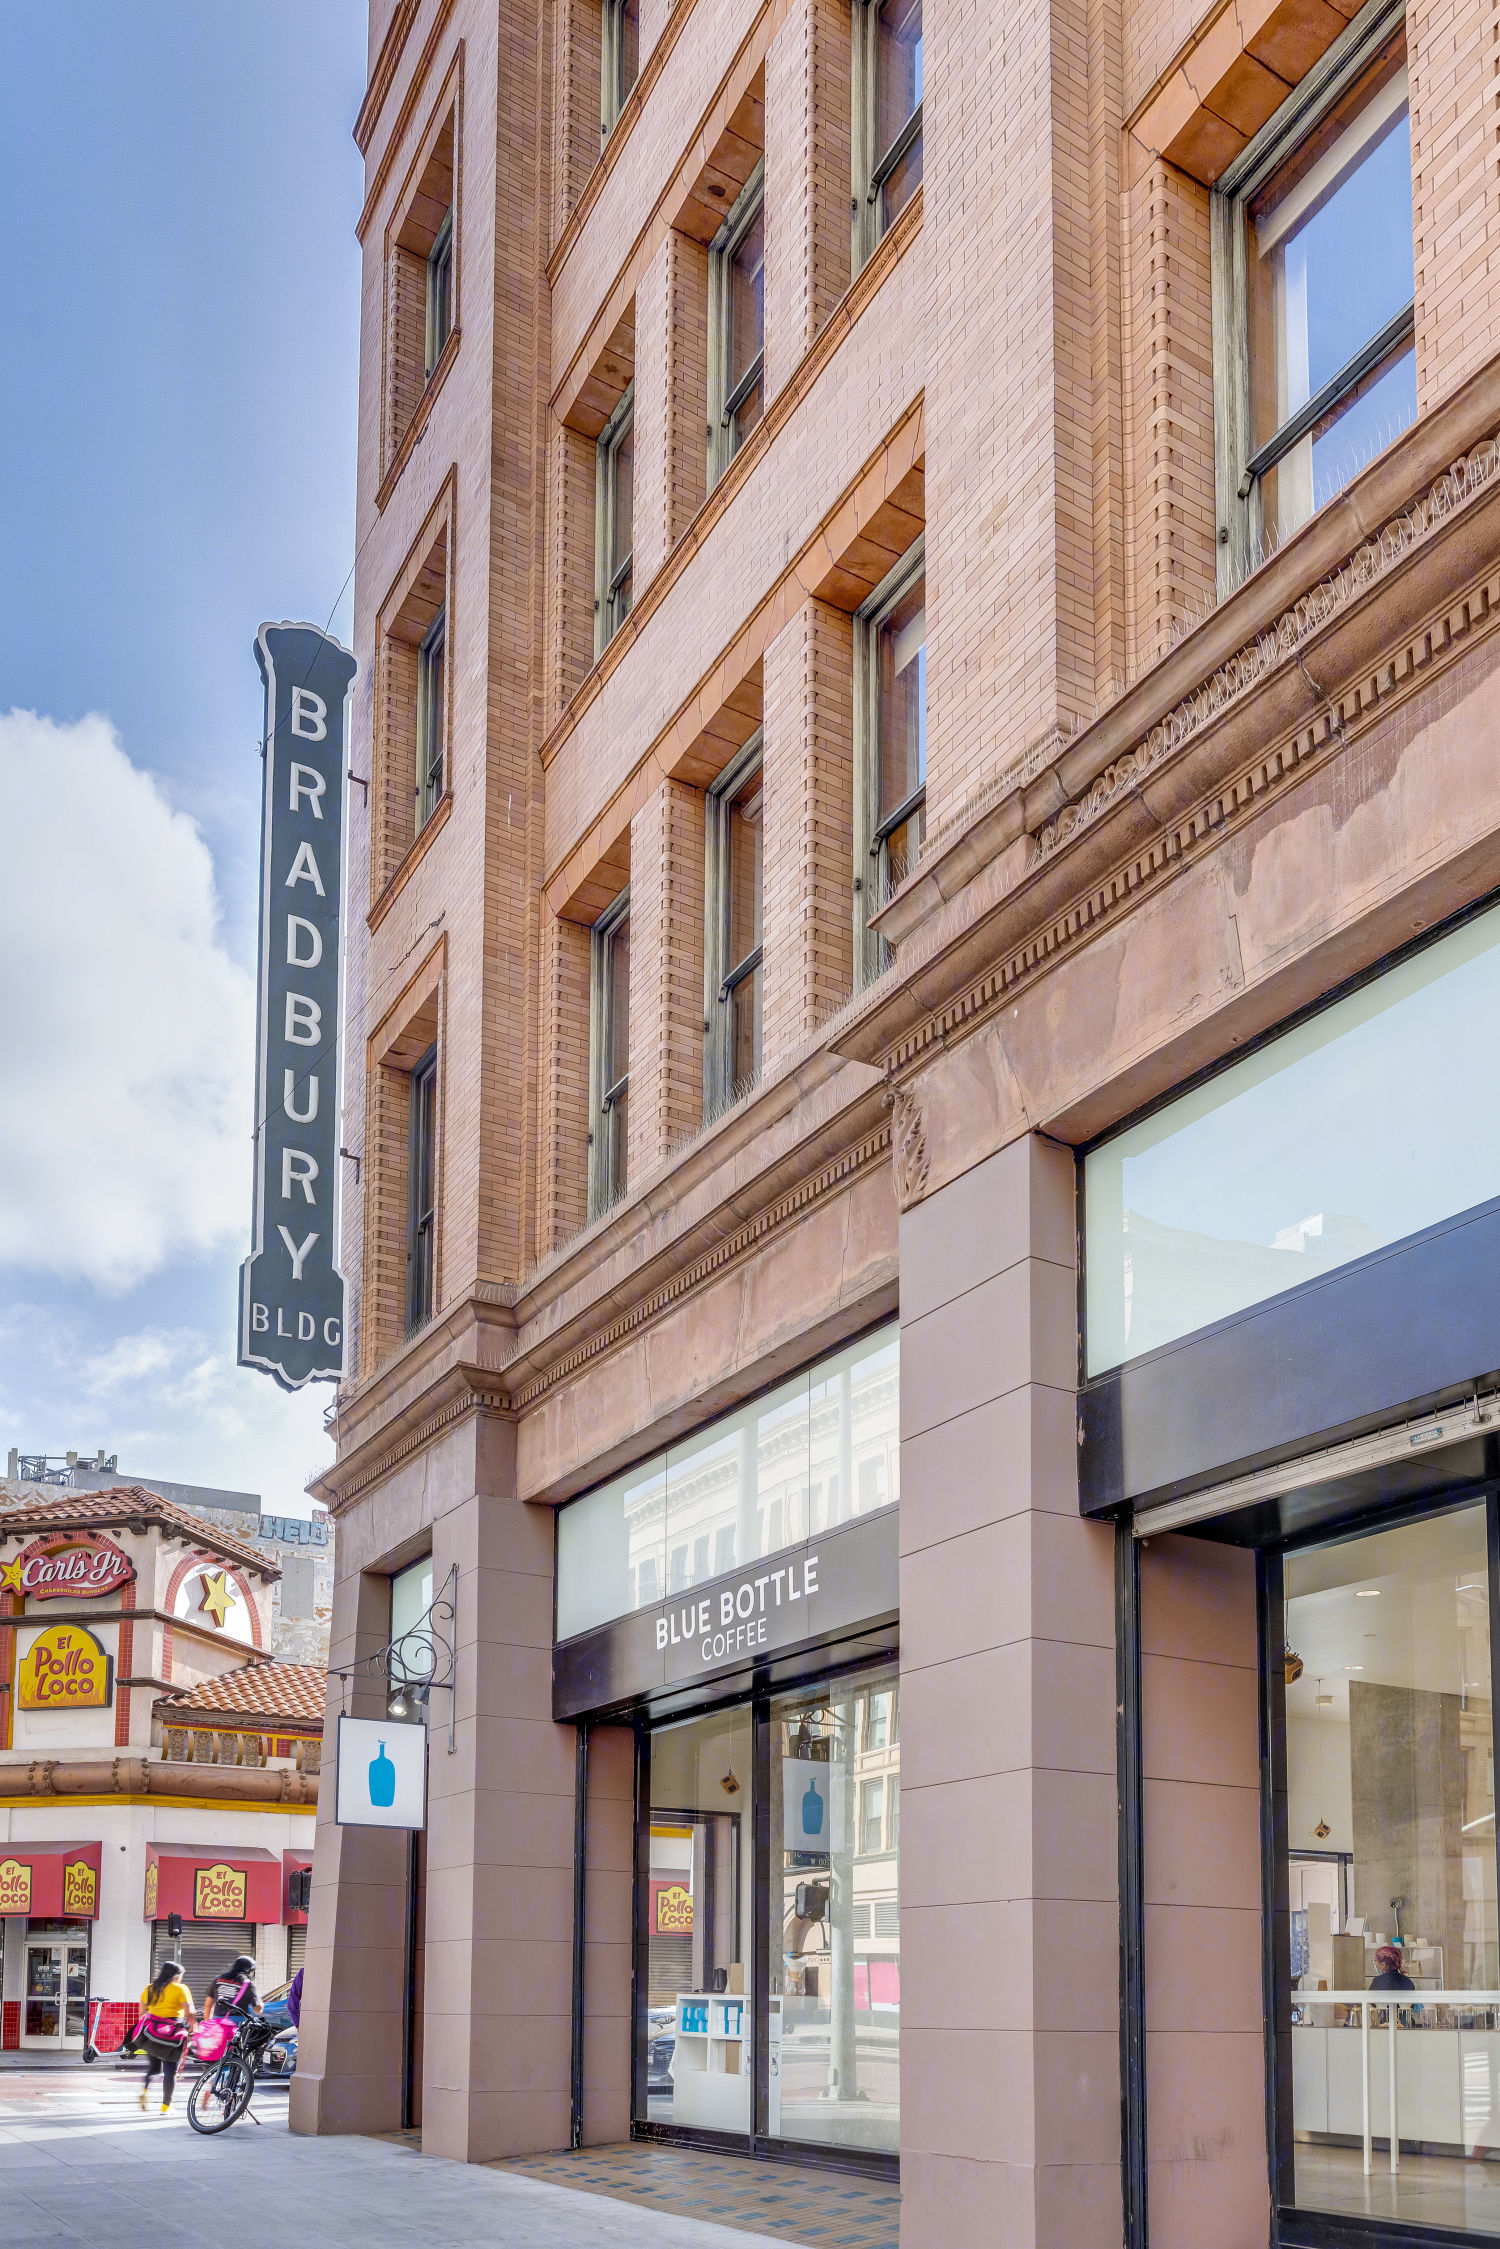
{"x": 834, "y": 1942}
{"x": 1391, "y": 1841}
{"x": 814, "y": 1453}
{"x": 697, "y": 2031}
{"x": 1362, "y": 1125}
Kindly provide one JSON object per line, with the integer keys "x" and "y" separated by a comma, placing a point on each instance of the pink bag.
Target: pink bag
{"x": 210, "y": 2041}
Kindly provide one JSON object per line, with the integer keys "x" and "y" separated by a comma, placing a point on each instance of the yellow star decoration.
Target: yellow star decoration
{"x": 218, "y": 1596}
{"x": 10, "y": 1576}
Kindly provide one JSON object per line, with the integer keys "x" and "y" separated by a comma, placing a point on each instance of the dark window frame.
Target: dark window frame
{"x": 613, "y": 587}
{"x": 724, "y": 400}
{"x": 614, "y": 89}
{"x": 439, "y": 292}
{"x": 873, "y": 166}
{"x": 421, "y": 1191}
{"x": 1238, "y": 467}
{"x": 608, "y": 1165}
{"x": 722, "y": 976}
{"x": 872, "y": 833}
{"x": 433, "y": 675}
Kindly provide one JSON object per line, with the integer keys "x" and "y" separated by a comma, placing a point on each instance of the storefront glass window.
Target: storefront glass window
{"x": 833, "y": 1940}
{"x": 1390, "y": 1830}
{"x": 612, "y": 1549}
{"x": 1365, "y": 1124}
{"x": 698, "y": 2030}
{"x": 855, "y": 1461}
{"x": 812, "y": 1454}
{"x": 738, "y": 1491}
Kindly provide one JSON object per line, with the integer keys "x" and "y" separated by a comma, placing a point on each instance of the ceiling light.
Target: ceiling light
{"x": 1354, "y": 1667}
{"x": 1470, "y": 1824}
{"x": 1370, "y": 1596}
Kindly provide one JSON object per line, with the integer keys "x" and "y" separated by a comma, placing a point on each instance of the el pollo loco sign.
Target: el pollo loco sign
{"x": 67, "y": 1568}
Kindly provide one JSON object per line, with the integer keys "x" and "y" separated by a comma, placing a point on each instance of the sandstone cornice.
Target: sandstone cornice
{"x": 1343, "y": 617}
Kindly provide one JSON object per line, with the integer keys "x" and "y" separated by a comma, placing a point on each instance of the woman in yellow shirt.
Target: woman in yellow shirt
{"x": 166, "y": 2019}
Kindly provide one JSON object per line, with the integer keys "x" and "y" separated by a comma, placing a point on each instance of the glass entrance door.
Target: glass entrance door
{"x": 697, "y": 2033}
{"x": 1390, "y": 2028}
{"x": 55, "y": 1999}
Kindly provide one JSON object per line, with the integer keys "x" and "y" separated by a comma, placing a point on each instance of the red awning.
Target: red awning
{"x": 292, "y": 1862}
{"x": 54, "y": 1881}
{"x": 213, "y": 1882}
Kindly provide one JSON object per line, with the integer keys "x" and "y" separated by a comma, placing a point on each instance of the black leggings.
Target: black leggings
{"x": 164, "y": 2056}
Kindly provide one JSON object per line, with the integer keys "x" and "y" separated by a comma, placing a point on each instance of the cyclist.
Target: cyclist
{"x": 166, "y": 2019}
{"x": 234, "y": 1993}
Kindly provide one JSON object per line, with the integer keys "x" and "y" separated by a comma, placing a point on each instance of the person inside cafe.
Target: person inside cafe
{"x": 1389, "y": 1973}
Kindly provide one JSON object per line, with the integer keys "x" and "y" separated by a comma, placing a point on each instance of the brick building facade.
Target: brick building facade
{"x": 930, "y": 809}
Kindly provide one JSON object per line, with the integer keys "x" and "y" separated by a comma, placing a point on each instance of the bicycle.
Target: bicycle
{"x": 224, "y": 2088}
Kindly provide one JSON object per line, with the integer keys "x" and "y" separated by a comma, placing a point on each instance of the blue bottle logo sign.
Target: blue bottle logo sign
{"x": 812, "y": 1810}
{"x": 382, "y": 1780}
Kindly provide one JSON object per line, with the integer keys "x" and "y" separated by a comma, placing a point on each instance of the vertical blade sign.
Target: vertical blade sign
{"x": 291, "y": 1290}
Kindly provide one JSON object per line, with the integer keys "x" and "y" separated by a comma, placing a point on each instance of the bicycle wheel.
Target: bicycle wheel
{"x": 221, "y": 2096}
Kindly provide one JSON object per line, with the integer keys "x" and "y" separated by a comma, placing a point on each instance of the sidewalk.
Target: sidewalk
{"x": 79, "y": 2163}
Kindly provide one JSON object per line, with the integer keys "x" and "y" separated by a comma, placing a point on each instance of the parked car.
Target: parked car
{"x": 279, "y": 2057}
{"x": 661, "y": 2044}
{"x": 274, "y": 2005}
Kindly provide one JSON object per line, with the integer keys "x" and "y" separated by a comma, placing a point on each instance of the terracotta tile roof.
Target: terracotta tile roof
{"x": 293, "y": 1691}
{"x": 124, "y": 1504}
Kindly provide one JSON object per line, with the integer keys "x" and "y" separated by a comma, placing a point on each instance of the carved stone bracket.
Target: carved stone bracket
{"x": 908, "y": 1145}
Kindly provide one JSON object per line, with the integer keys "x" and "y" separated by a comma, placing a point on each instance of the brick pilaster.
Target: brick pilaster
{"x": 808, "y": 904}
{"x": 570, "y": 568}
{"x": 666, "y": 973}
{"x": 1171, "y": 332}
{"x": 1010, "y": 395}
{"x": 563, "y": 1151}
{"x": 671, "y": 400}
{"x": 807, "y": 179}
{"x": 1455, "y": 163}
{"x": 576, "y": 68}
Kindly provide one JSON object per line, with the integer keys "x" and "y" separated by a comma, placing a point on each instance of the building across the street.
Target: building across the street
{"x": 301, "y": 1546}
{"x": 922, "y": 1192}
{"x": 156, "y": 1761}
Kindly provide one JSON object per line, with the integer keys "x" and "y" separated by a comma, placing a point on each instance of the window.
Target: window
{"x": 411, "y": 1657}
{"x": 411, "y": 713}
{"x": 431, "y": 717}
{"x": 620, "y": 52}
{"x": 698, "y": 1860}
{"x": 609, "y": 1059}
{"x": 1365, "y": 1123}
{"x": 421, "y": 284}
{"x": 615, "y": 511}
{"x": 839, "y": 2078}
{"x": 737, "y": 325}
{"x": 887, "y": 116}
{"x": 1386, "y": 1836}
{"x": 440, "y": 290}
{"x": 731, "y": 1493}
{"x": 420, "y": 1184}
{"x": 732, "y": 928}
{"x": 1315, "y": 361}
{"x": 891, "y": 724}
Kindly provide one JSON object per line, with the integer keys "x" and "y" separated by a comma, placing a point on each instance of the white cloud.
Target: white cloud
{"x": 166, "y": 1401}
{"x": 126, "y": 1084}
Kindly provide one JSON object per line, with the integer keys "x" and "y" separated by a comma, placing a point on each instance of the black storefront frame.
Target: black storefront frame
{"x": 758, "y": 2143}
{"x": 1292, "y": 2227}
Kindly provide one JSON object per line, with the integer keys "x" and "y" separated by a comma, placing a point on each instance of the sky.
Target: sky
{"x": 178, "y": 366}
